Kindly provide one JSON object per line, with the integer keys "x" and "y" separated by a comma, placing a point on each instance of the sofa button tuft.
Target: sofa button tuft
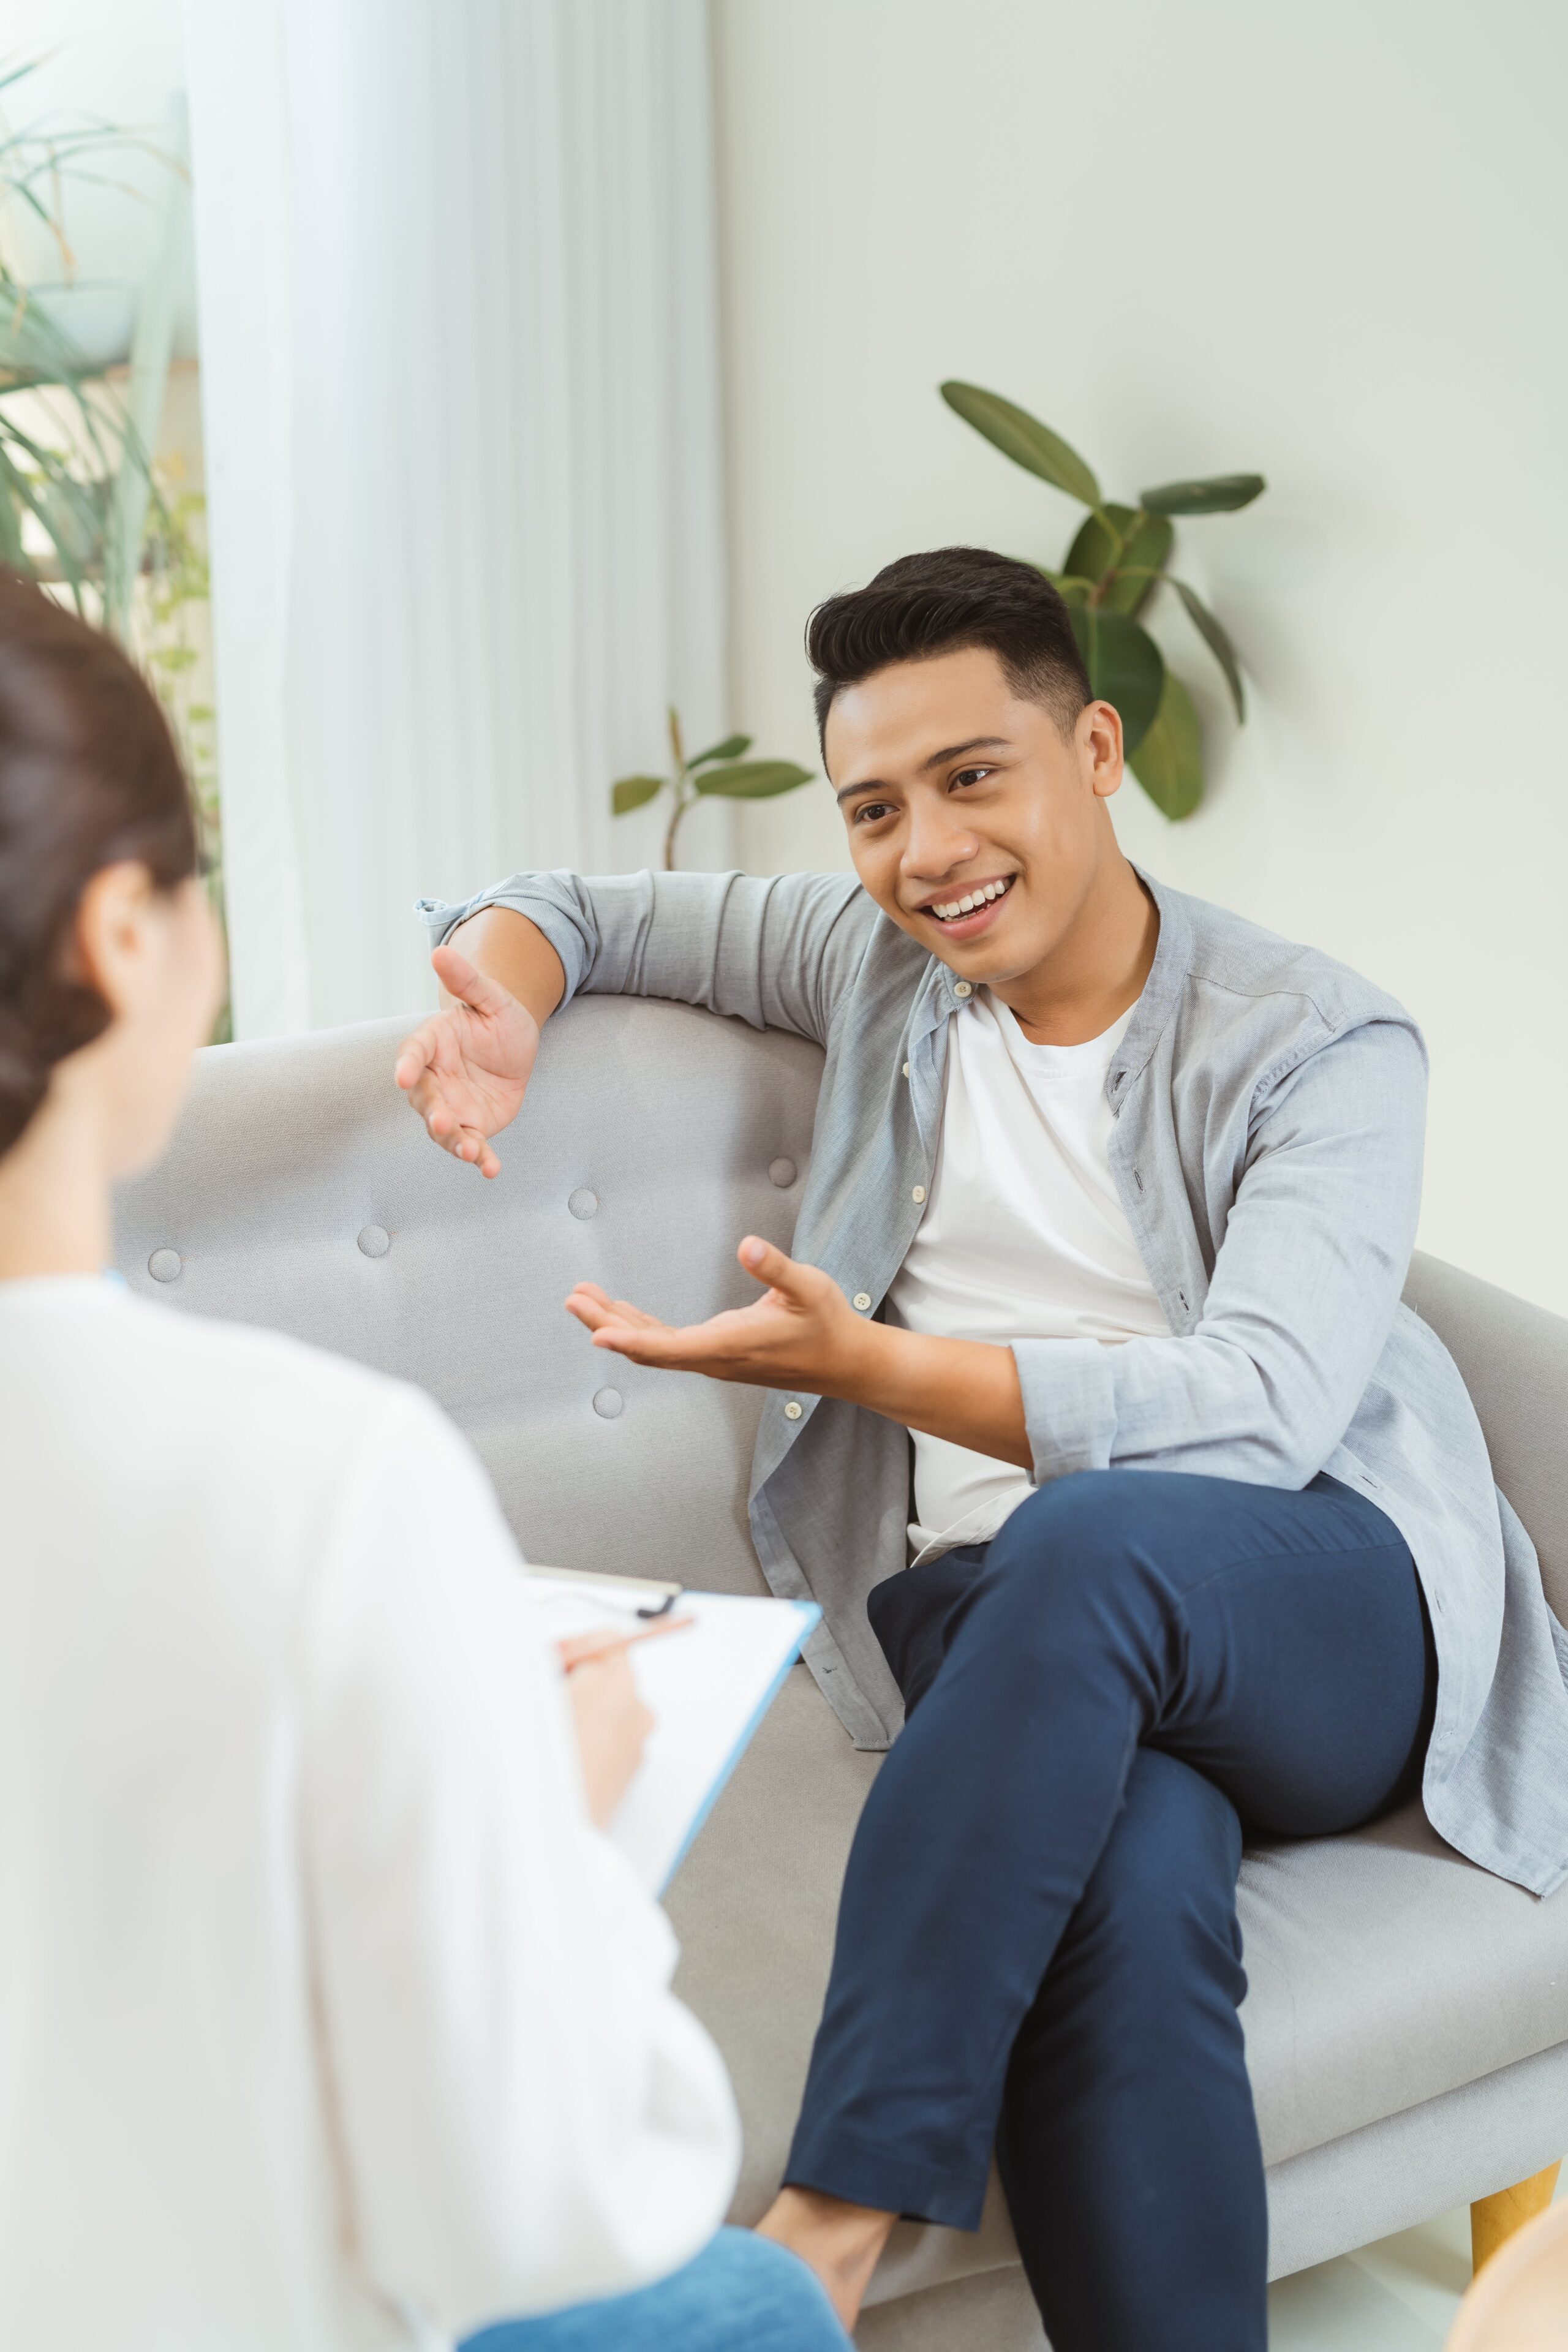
{"x": 374, "y": 1240}
{"x": 782, "y": 1173}
{"x": 583, "y": 1204}
{"x": 609, "y": 1404}
{"x": 792, "y": 1411}
{"x": 165, "y": 1265}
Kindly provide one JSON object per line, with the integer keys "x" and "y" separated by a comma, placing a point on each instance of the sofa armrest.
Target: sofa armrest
{"x": 1513, "y": 1359}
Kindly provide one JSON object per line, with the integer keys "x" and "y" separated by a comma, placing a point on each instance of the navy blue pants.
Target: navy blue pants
{"x": 1037, "y": 1948}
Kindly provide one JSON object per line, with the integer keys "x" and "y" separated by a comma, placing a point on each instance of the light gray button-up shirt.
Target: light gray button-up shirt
{"x": 1266, "y": 1144}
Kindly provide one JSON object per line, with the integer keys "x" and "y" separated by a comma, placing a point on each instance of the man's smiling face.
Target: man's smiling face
{"x": 975, "y": 824}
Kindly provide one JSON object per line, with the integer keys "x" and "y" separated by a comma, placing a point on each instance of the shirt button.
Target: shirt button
{"x": 919, "y": 1193}
{"x": 962, "y": 988}
{"x": 906, "y": 1069}
{"x": 792, "y": 1411}
{"x": 862, "y": 1299}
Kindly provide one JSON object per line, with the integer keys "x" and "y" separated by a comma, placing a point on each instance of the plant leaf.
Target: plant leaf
{"x": 1169, "y": 761}
{"x": 731, "y": 748}
{"x": 1023, "y": 438}
{"x": 1074, "y": 590}
{"x": 1217, "y": 641}
{"x": 24, "y": 492}
{"x": 1125, "y": 666}
{"x": 1218, "y": 494}
{"x": 1146, "y": 543}
{"x": 10, "y": 520}
{"x": 631, "y": 792}
{"x": 752, "y": 780}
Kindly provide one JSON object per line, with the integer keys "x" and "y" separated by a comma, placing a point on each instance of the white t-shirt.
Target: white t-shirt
{"x": 1022, "y": 1236}
{"x": 327, "y": 2022}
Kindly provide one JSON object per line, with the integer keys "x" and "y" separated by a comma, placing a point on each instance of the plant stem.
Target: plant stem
{"x": 682, "y": 802}
{"x": 677, "y": 784}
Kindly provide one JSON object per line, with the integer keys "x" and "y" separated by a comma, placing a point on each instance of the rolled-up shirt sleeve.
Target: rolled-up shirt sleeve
{"x": 528, "y": 2117}
{"x": 1303, "y": 1293}
{"x": 780, "y": 951}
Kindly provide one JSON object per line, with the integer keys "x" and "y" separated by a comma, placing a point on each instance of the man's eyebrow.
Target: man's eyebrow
{"x": 937, "y": 760}
{"x": 956, "y": 751}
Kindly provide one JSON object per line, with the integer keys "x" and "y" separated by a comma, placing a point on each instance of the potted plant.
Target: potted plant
{"x": 1119, "y": 559}
{"x": 722, "y": 771}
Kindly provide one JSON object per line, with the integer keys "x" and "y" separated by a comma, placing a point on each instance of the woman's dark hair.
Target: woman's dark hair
{"x": 88, "y": 776}
{"x": 938, "y": 602}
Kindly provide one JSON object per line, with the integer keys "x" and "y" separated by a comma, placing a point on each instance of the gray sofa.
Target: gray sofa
{"x": 1407, "y": 2022}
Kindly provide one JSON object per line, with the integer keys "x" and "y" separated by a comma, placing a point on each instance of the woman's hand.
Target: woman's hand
{"x": 802, "y": 1333}
{"x": 613, "y": 1728}
{"x": 465, "y": 1070}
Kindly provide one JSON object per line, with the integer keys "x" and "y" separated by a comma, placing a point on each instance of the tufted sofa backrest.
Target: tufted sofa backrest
{"x": 301, "y": 1193}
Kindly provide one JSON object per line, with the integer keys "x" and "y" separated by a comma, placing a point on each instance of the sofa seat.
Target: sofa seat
{"x": 1372, "y": 1963}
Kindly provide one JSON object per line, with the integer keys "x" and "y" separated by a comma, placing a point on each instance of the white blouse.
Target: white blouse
{"x": 327, "y": 2019}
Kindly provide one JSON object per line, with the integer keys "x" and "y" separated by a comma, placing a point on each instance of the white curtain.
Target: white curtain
{"x": 458, "y": 297}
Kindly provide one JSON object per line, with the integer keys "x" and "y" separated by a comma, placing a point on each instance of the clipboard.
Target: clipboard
{"x": 708, "y": 1687}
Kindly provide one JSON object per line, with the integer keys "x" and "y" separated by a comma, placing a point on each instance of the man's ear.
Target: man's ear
{"x": 1099, "y": 736}
{"x": 108, "y": 943}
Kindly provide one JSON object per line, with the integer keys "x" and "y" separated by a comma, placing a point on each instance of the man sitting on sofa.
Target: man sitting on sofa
{"x": 1111, "y": 1200}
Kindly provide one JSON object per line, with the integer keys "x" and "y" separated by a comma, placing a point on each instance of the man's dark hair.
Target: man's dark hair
{"x": 938, "y": 602}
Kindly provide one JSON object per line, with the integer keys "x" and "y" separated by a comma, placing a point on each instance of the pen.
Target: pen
{"x": 577, "y": 1649}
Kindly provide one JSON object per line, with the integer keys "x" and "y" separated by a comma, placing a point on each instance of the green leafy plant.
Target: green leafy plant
{"x": 65, "y": 448}
{"x": 84, "y": 510}
{"x": 171, "y": 626}
{"x": 722, "y": 771}
{"x": 1119, "y": 559}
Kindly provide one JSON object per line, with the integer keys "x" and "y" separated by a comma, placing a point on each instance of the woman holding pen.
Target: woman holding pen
{"x": 328, "y": 2021}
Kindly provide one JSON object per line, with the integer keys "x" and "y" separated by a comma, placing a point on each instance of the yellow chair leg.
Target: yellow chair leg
{"x": 1494, "y": 2220}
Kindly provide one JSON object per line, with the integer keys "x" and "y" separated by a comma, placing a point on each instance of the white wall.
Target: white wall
{"x": 1326, "y": 242}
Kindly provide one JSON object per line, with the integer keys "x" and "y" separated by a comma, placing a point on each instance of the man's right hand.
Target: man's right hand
{"x": 465, "y": 1070}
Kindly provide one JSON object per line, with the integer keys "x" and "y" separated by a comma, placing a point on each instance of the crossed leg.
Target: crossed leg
{"x": 1037, "y": 1947}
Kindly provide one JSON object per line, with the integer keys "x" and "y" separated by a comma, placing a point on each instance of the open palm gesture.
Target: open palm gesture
{"x": 465, "y": 1070}
{"x": 800, "y": 1334}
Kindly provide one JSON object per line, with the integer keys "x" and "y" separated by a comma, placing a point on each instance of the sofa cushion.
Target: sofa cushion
{"x": 1384, "y": 1969}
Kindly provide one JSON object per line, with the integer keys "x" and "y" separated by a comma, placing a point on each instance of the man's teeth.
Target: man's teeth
{"x": 966, "y": 905}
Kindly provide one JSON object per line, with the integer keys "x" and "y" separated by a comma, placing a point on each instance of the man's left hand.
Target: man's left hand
{"x": 802, "y": 1333}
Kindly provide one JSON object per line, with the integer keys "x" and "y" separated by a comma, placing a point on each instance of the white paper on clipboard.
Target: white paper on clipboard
{"x": 708, "y": 1688}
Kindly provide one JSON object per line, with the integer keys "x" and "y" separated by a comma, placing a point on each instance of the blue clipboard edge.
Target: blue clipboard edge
{"x": 809, "y": 1615}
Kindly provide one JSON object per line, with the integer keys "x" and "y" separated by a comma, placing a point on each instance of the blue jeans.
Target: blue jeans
{"x": 741, "y": 2294}
{"x": 1038, "y": 1944}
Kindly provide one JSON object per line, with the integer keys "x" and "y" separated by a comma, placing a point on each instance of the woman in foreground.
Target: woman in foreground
{"x": 327, "y": 2019}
